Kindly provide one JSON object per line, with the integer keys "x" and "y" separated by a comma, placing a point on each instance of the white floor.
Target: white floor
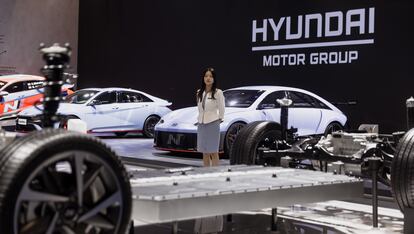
{"x": 346, "y": 217}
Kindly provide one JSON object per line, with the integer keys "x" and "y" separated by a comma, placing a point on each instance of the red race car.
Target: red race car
{"x": 18, "y": 92}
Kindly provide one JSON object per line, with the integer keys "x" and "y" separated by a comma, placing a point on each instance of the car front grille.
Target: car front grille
{"x": 175, "y": 141}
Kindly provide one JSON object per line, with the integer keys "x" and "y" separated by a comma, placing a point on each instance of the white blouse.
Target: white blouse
{"x": 213, "y": 108}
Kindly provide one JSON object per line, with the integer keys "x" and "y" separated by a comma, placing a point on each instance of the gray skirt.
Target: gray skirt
{"x": 208, "y": 137}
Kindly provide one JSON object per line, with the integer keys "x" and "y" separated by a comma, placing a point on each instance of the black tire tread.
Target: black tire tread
{"x": 246, "y": 141}
{"x": 225, "y": 146}
{"x": 402, "y": 172}
{"x": 239, "y": 142}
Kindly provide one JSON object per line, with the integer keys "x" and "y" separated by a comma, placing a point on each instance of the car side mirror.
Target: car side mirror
{"x": 4, "y": 93}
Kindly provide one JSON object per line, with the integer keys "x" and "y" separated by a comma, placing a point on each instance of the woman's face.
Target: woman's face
{"x": 208, "y": 78}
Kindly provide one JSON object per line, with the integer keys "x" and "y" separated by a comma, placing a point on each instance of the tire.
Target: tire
{"x": 402, "y": 172}
{"x": 39, "y": 184}
{"x": 231, "y": 135}
{"x": 239, "y": 143}
{"x": 149, "y": 124}
{"x": 254, "y": 135}
{"x": 333, "y": 127}
{"x": 64, "y": 122}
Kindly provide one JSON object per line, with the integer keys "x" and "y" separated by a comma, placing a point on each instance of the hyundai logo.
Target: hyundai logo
{"x": 175, "y": 139}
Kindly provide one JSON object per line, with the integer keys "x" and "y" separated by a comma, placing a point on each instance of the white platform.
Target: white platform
{"x": 160, "y": 196}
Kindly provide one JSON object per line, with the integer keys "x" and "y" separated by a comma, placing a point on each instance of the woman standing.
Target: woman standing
{"x": 210, "y": 102}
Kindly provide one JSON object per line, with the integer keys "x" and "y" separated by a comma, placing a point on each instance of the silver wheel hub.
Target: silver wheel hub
{"x": 48, "y": 204}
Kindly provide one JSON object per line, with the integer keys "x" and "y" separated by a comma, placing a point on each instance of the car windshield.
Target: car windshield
{"x": 2, "y": 84}
{"x": 80, "y": 97}
{"x": 241, "y": 98}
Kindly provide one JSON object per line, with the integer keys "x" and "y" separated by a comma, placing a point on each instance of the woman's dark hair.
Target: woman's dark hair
{"x": 203, "y": 85}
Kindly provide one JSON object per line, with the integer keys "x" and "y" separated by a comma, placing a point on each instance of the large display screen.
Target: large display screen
{"x": 341, "y": 50}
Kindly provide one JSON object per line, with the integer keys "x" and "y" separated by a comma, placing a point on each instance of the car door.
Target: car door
{"x": 12, "y": 101}
{"x": 103, "y": 112}
{"x": 306, "y": 116}
{"x": 270, "y": 108}
{"x": 134, "y": 108}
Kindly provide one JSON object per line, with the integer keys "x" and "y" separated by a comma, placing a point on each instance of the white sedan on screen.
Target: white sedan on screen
{"x": 104, "y": 110}
{"x": 309, "y": 113}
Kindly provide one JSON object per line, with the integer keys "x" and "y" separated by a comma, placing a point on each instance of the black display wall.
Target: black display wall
{"x": 346, "y": 50}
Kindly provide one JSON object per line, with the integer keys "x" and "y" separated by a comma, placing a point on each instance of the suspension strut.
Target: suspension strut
{"x": 284, "y": 115}
{"x": 57, "y": 59}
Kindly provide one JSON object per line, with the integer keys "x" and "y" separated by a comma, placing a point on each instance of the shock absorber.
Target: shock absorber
{"x": 284, "y": 115}
{"x": 57, "y": 59}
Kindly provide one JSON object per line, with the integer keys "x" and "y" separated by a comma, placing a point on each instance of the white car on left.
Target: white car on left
{"x": 104, "y": 110}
